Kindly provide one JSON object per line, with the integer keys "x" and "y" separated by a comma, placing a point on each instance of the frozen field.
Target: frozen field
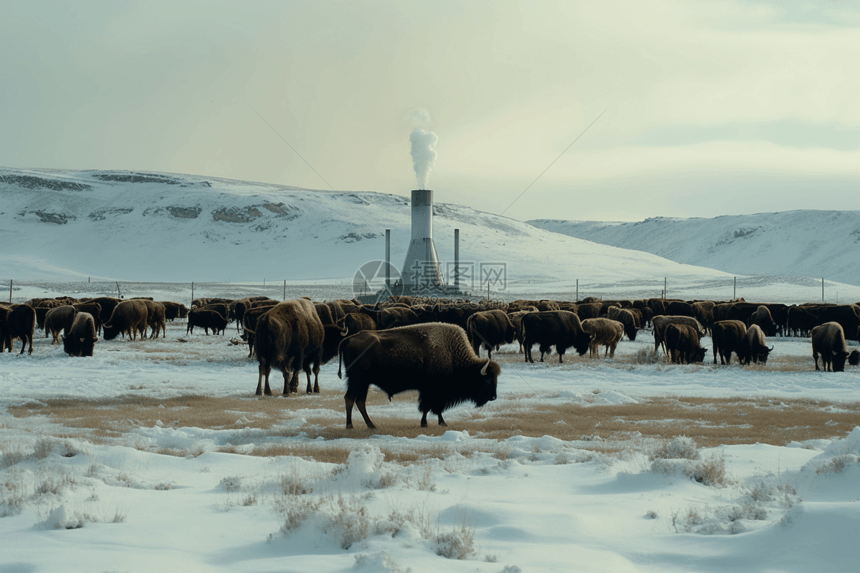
{"x": 156, "y": 455}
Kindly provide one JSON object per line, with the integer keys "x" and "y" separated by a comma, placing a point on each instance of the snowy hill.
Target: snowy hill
{"x": 61, "y": 225}
{"x": 794, "y": 243}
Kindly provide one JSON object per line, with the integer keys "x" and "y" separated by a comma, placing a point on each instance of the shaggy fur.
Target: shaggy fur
{"x": 289, "y": 337}
{"x": 727, "y": 335}
{"x": 434, "y": 358}
{"x": 559, "y": 328}
{"x": 828, "y": 340}
{"x": 605, "y": 332}
{"x": 59, "y": 320}
{"x": 127, "y": 318}
{"x": 82, "y": 336}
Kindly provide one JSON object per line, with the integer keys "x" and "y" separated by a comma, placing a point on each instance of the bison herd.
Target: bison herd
{"x": 432, "y": 345}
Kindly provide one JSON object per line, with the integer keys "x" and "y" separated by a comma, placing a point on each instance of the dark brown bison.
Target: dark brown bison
{"x": 801, "y": 320}
{"x": 127, "y": 318}
{"x": 435, "y": 359}
{"x": 174, "y": 310}
{"x": 59, "y": 320}
{"x": 107, "y": 305}
{"x": 559, "y": 328}
{"x": 753, "y": 346}
{"x": 206, "y": 318}
{"x": 682, "y": 344}
{"x": 17, "y": 321}
{"x": 489, "y": 328}
{"x": 249, "y": 325}
{"x": 727, "y": 335}
{"x": 93, "y": 308}
{"x": 82, "y": 337}
{"x": 356, "y": 322}
{"x": 290, "y": 338}
{"x": 846, "y": 315}
{"x": 324, "y": 312}
{"x": 661, "y": 322}
{"x": 516, "y": 318}
{"x": 391, "y": 317}
{"x": 627, "y": 318}
{"x": 763, "y": 319}
{"x": 854, "y": 357}
{"x": 828, "y": 340}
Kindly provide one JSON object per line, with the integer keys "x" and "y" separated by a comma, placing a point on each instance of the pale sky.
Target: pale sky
{"x": 711, "y": 107}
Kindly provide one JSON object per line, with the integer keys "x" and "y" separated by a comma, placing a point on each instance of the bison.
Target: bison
{"x": 436, "y": 359}
{"x": 682, "y": 344}
{"x": 489, "y": 328}
{"x": 82, "y": 337}
{"x": 356, "y": 322}
{"x": 752, "y": 347}
{"x": 661, "y": 322}
{"x": 727, "y": 336}
{"x": 627, "y": 317}
{"x": 828, "y": 340}
{"x": 603, "y": 331}
{"x": 763, "y": 319}
{"x": 559, "y": 328}
{"x": 249, "y": 325}
{"x": 289, "y": 337}
{"x": 854, "y": 357}
{"x": 59, "y": 319}
{"x": 206, "y": 318}
{"x": 20, "y": 322}
{"x": 127, "y": 318}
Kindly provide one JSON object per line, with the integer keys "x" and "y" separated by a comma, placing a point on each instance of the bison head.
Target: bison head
{"x": 838, "y": 362}
{"x": 484, "y": 389}
{"x": 854, "y": 358}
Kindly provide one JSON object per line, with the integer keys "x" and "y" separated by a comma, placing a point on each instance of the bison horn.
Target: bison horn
{"x": 345, "y": 331}
{"x": 484, "y": 369}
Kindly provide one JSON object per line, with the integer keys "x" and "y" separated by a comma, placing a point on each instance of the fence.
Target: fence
{"x": 760, "y": 288}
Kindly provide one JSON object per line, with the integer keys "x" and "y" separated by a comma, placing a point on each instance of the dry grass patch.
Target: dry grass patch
{"x": 709, "y": 421}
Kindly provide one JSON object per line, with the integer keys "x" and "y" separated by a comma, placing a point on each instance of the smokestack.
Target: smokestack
{"x": 388, "y": 260}
{"x": 457, "y": 259}
{"x": 421, "y": 268}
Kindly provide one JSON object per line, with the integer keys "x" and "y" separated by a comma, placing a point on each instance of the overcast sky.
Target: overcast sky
{"x": 711, "y": 108}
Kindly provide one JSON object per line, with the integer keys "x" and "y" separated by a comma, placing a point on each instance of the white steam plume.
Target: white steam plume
{"x": 423, "y": 154}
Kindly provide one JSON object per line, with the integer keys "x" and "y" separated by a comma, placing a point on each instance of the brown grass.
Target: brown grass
{"x": 709, "y": 421}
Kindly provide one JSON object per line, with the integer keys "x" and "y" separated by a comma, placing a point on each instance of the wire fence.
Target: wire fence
{"x": 789, "y": 290}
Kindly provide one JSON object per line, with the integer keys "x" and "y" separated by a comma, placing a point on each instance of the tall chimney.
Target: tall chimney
{"x": 421, "y": 268}
{"x": 388, "y": 260}
{"x": 457, "y": 259}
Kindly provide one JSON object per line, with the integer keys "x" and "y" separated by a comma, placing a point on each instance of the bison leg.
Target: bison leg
{"x": 316, "y": 379}
{"x": 291, "y": 381}
{"x": 360, "y": 402}
{"x": 349, "y": 401}
{"x": 815, "y": 356}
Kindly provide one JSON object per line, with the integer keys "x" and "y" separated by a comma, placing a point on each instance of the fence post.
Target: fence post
{"x": 192, "y": 295}
{"x": 10, "y": 291}
{"x": 285, "y": 289}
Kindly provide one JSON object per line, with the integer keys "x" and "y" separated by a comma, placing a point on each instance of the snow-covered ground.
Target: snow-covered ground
{"x": 66, "y": 225}
{"x": 141, "y": 493}
{"x": 808, "y": 243}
